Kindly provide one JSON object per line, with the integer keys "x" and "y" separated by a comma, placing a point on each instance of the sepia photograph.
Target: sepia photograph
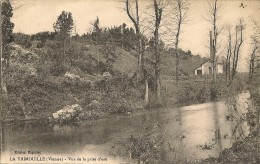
{"x": 130, "y": 81}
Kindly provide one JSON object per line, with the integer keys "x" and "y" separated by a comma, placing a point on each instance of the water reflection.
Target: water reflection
{"x": 190, "y": 133}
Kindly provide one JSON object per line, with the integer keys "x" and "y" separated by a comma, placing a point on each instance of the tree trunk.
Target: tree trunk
{"x": 1, "y": 73}
{"x": 252, "y": 65}
{"x": 234, "y": 57}
{"x": 157, "y": 67}
{"x": 158, "y": 17}
{"x": 146, "y": 96}
{"x": 177, "y": 66}
{"x": 237, "y": 48}
{"x": 141, "y": 72}
{"x": 145, "y": 75}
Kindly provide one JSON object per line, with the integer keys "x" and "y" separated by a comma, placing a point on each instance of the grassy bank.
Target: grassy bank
{"x": 38, "y": 97}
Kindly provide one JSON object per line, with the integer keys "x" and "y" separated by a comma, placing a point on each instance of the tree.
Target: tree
{"x": 63, "y": 27}
{"x": 239, "y": 39}
{"x": 135, "y": 18}
{"x": 136, "y": 21}
{"x": 255, "y": 42}
{"x": 64, "y": 24}
{"x": 229, "y": 54}
{"x": 7, "y": 29}
{"x": 180, "y": 14}
{"x": 158, "y": 7}
{"x": 96, "y": 27}
{"x": 96, "y": 31}
{"x": 214, "y": 11}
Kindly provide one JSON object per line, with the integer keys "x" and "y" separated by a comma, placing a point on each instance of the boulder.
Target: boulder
{"x": 67, "y": 113}
{"x": 94, "y": 104}
{"x": 71, "y": 75}
{"x": 107, "y": 75}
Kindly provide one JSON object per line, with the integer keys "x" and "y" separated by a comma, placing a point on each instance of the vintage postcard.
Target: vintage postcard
{"x": 129, "y": 81}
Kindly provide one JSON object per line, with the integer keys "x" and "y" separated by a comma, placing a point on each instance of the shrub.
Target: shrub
{"x": 58, "y": 69}
{"x": 112, "y": 103}
{"x": 143, "y": 149}
{"x": 13, "y": 106}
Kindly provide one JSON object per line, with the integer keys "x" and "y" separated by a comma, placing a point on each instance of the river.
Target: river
{"x": 192, "y": 133}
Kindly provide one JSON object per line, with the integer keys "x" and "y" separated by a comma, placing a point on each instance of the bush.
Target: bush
{"x": 58, "y": 69}
{"x": 13, "y": 106}
{"x": 143, "y": 150}
{"x": 42, "y": 69}
{"x": 202, "y": 95}
{"x": 84, "y": 66}
{"x": 112, "y": 103}
{"x": 40, "y": 45}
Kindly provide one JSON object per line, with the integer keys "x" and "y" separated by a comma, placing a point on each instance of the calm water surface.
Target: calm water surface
{"x": 194, "y": 132}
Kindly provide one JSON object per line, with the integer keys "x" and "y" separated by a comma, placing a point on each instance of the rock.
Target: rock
{"x": 128, "y": 113}
{"x": 71, "y": 110}
{"x": 67, "y": 113}
{"x": 76, "y": 107}
{"x": 81, "y": 115}
{"x": 55, "y": 115}
{"x": 94, "y": 104}
{"x": 71, "y": 75}
{"x": 60, "y": 112}
{"x": 107, "y": 75}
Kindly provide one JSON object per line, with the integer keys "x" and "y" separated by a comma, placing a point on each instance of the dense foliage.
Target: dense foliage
{"x": 7, "y": 28}
{"x": 64, "y": 24}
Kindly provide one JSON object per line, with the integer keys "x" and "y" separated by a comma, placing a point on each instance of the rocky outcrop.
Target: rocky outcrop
{"x": 68, "y": 113}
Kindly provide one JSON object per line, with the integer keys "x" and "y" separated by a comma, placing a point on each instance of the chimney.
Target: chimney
{"x": 210, "y": 46}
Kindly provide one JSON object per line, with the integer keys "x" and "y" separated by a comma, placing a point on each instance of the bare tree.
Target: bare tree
{"x": 255, "y": 49}
{"x": 158, "y": 6}
{"x": 229, "y": 54}
{"x": 133, "y": 14}
{"x": 214, "y": 11}
{"x": 239, "y": 39}
{"x": 253, "y": 57}
{"x": 135, "y": 18}
{"x": 180, "y": 14}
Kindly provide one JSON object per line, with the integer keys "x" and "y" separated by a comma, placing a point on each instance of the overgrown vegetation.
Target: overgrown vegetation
{"x": 73, "y": 78}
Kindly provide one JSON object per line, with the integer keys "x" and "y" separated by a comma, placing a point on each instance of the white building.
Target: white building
{"x": 207, "y": 68}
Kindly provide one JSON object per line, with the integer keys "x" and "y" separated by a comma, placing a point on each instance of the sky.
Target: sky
{"x": 32, "y": 16}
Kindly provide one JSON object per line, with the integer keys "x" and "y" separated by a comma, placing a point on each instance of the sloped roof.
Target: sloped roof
{"x": 193, "y": 63}
{"x": 198, "y": 64}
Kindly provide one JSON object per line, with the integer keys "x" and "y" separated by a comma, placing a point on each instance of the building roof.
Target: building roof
{"x": 200, "y": 63}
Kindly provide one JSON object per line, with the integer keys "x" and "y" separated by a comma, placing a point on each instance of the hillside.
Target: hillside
{"x": 38, "y": 78}
{"x": 37, "y": 85}
{"x": 123, "y": 62}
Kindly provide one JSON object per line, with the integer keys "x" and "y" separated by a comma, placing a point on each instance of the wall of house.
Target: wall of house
{"x": 200, "y": 68}
{"x": 206, "y": 67}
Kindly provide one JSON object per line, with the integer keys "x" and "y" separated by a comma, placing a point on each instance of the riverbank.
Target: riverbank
{"x": 243, "y": 151}
{"x": 105, "y": 98}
